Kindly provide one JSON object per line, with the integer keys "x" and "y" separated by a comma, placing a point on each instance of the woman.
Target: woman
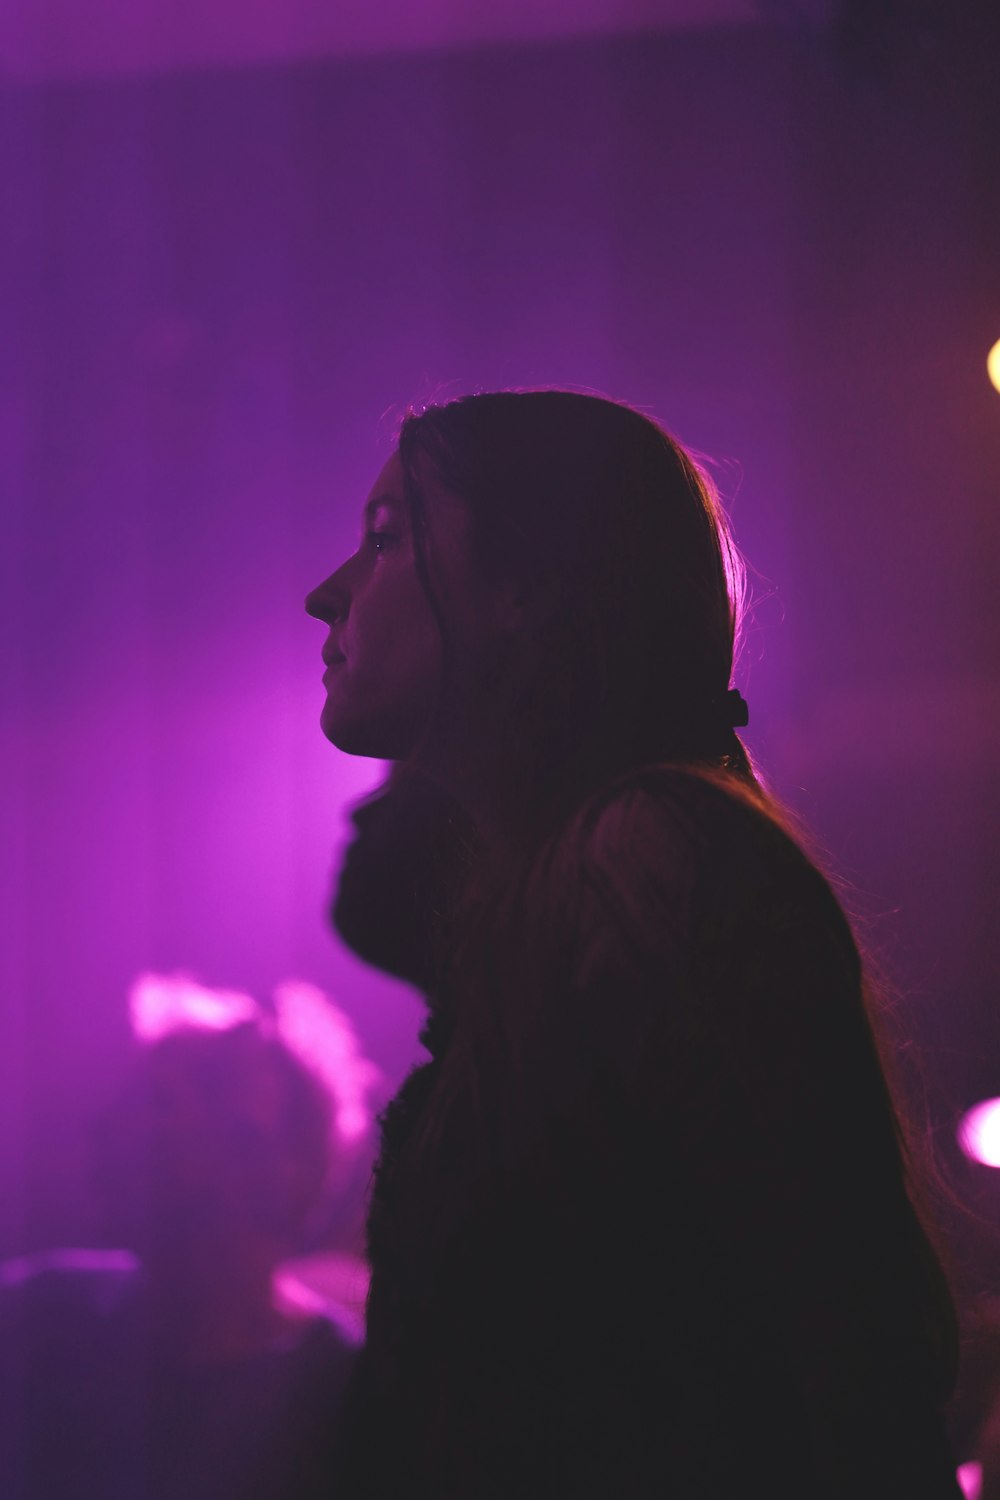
{"x": 641, "y": 1226}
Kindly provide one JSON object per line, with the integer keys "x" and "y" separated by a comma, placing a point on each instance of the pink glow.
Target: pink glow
{"x": 306, "y": 1019}
{"x": 315, "y": 1027}
{"x": 79, "y": 37}
{"x": 25, "y": 1267}
{"x": 159, "y": 1003}
{"x": 970, "y": 1480}
{"x": 331, "y": 1282}
{"x": 979, "y": 1133}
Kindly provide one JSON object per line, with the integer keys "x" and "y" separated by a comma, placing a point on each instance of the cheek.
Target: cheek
{"x": 394, "y": 632}
{"x": 378, "y": 702}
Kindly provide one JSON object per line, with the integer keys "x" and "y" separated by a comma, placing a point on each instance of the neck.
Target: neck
{"x": 480, "y": 782}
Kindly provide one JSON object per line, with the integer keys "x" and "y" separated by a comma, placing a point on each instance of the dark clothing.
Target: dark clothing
{"x": 640, "y": 1228}
{"x": 87, "y": 1410}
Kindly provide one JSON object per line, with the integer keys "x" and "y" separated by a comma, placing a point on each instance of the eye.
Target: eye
{"x": 381, "y": 541}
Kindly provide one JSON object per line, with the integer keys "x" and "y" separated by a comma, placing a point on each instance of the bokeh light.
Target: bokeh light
{"x": 993, "y": 364}
{"x": 313, "y": 1025}
{"x": 979, "y": 1133}
{"x": 159, "y": 1003}
{"x": 970, "y": 1480}
{"x": 306, "y": 1019}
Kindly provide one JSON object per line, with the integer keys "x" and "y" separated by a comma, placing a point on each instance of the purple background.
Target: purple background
{"x": 222, "y": 284}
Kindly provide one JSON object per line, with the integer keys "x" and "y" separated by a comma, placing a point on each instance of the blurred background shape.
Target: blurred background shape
{"x": 970, "y": 1477}
{"x": 195, "y": 1358}
{"x": 161, "y": 1003}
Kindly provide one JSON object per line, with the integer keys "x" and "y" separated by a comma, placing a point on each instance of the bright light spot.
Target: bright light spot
{"x": 305, "y": 1019}
{"x": 330, "y": 1282}
{"x": 979, "y": 1133}
{"x": 317, "y": 1029}
{"x": 159, "y": 1003}
{"x": 993, "y": 364}
{"x": 26, "y": 1267}
{"x": 970, "y": 1480}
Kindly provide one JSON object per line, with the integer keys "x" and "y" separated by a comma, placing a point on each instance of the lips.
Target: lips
{"x": 333, "y": 658}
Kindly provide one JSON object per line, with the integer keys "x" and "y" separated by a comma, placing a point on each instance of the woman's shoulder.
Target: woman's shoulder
{"x": 672, "y": 850}
{"x": 683, "y": 818}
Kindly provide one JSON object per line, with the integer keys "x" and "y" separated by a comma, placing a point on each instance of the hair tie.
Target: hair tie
{"x": 732, "y": 709}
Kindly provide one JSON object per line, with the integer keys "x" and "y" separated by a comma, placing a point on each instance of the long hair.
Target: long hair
{"x": 592, "y": 509}
{"x": 617, "y": 539}
{"x": 599, "y": 516}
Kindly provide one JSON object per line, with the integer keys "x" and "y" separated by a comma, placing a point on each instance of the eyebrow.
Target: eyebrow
{"x": 379, "y": 502}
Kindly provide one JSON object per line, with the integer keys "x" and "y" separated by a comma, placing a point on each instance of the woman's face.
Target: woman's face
{"x": 383, "y": 653}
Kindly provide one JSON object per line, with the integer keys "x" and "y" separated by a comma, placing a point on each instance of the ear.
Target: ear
{"x": 521, "y": 606}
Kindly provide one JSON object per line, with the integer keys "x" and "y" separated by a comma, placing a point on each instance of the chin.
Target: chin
{"x": 368, "y": 738}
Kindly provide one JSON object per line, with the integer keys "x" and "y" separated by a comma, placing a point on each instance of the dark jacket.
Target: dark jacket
{"x": 641, "y": 1228}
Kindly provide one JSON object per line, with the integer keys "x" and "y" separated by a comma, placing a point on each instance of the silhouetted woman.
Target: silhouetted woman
{"x": 641, "y": 1226}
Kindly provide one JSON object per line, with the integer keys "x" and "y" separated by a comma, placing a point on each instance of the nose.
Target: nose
{"x": 329, "y": 601}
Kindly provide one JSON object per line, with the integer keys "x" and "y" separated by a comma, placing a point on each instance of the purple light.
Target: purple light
{"x": 979, "y": 1133}
{"x": 65, "y": 38}
{"x": 306, "y": 1019}
{"x": 23, "y": 1268}
{"x": 332, "y": 1282}
{"x": 970, "y": 1480}
{"x": 159, "y": 1003}
{"x": 317, "y": 1029}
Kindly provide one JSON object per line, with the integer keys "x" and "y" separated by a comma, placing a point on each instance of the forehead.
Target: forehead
{"x": 446, "y": 517}
{"x": 388, "y": 484}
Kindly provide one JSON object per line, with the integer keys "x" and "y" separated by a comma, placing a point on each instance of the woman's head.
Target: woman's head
{"x": 395, "y": 607}
{"x": 555, "y": 586}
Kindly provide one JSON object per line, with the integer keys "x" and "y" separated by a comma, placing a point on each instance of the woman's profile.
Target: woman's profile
{"x": 641, "y": 1226}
